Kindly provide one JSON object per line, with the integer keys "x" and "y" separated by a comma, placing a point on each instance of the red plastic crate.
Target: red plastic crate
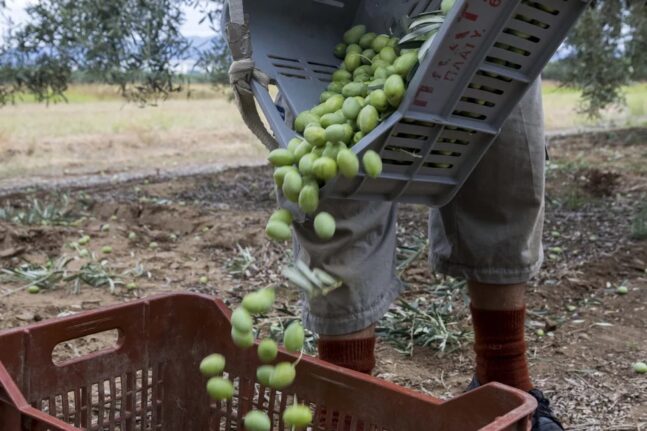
{"x": 150, "y": 380}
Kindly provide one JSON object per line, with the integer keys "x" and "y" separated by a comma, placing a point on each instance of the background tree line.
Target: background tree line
{"x": 137, "y": 46}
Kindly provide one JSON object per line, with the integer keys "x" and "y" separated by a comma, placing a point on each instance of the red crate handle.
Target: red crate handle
{"x": 46, "y": 336}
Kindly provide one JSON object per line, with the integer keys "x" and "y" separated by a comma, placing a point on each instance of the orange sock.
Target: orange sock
{"x": 500, "y": 347}
{"x": 358, "y": 354}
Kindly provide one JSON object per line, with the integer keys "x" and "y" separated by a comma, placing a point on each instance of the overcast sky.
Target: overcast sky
{"x": 190, "y": 28}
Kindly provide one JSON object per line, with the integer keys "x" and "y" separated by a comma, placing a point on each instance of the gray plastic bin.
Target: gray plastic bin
{"x": 487, "y": 50}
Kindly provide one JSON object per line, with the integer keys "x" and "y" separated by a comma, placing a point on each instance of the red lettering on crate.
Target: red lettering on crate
{"x": 458, "y": 52}
{"x": 476, "y": 34}
{"x": 447, "y": 69}
{"x": 450, "y": 76}
{"x": 470, "y": 16}
{"x": 473, "y": 34}
{"x": 467, "y": 51}
{"x": 423, "y": 90}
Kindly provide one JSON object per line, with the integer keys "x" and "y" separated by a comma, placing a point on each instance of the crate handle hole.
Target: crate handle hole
{"x": 438, "y": 165}
{"x": 76, "y": 349}
{"x": 314, "y": 63}
{"x": 522, "y": 35}
{"x": 294, "y": 75}
{"x": 334, "y": 3}
{"x": 411, "y": 152}
{"x": 285, "y": 66}
{"x": 512, "y": 49}
{"x": 397, "y": 162}
{"x": 542, "y": 7}
{"x": 502, "y": 62}
{"x": 494, "y": 76}
{"x": 532, "y": 21}
{"x": 278, "y": 57}
{"x": 461, "y": 129}
{"x": 470, "y": 115}
{"x": 410, "y": 136}
{"x": 454, "y": 141}
{"x": 481, "y": 87}
{"x": 446, "y": 153}
{"x": 480, "y": 102}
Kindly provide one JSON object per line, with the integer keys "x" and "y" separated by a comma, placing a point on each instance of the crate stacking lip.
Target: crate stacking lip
{"x": 150, "y": 380}
{"x": 481, "y": 63}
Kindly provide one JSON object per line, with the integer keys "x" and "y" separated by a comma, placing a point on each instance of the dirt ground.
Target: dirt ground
{"x": 205, "y": 234}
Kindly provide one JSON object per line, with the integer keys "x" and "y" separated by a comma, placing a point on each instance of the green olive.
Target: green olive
{"x": 257, "y": 421}
{"x": 294, "y": 337}
{"x": 267, "y": 350}
{"x": 220, "y": 388}
{"x": 241, "y": 320}
{"x": 244, "y": 340}
{"x": 298, "y": 416}
{"x": 282, "y": 376}
{"x": 212, "y": 365}
{"x": 263, "y": 374}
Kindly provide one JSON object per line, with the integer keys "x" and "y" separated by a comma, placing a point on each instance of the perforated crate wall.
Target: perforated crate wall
{"x": 150, "y": 380}
{"x": 482, "y": 62}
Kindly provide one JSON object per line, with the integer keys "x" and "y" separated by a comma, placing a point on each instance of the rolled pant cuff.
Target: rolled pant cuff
{"x": 486, "y": 275}
{"x": 347, "y": 323}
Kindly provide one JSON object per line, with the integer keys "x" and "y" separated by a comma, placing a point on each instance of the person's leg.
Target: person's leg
{"x": 490, "y": 234}
{"x": 498, "y": 316}
{"x": 362, "y": 253}
{"x": 355, "y": 351}
{"x": 497, "y": 297}
{"x": 491, "y": 231}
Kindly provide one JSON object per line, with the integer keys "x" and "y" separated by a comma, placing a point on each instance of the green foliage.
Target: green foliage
{"x": 56, "y": 272}
{"x": 132, "y": 44}
{"x": 557, "y": 71}
{"x": 7, "y": 85}
{"x": 605, "y": 52}
{"x": 136, "y": 44}
{"x": 54, "y": 211}
{"x": 637, "y": 40}
{"x": 214, "y": 60}
{"x": 417, "y": 323}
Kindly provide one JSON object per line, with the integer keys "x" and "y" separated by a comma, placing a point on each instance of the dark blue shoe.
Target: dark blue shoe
{"x": 543, "y": 419}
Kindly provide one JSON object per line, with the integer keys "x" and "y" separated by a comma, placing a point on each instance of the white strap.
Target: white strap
{"x": 236, "y": 12}
{"x": 240, "y": 75}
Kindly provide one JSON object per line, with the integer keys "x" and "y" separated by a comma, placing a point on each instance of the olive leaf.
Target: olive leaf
{"x": 422, "y": 29}
{"x": 313, "y": 283}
